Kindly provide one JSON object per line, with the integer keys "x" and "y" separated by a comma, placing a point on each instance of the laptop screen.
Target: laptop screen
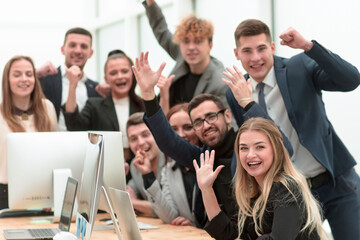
{"x": 68, "y": 205}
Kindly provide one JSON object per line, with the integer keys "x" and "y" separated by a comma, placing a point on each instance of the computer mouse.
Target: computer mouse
{"x": 65, "y": 236}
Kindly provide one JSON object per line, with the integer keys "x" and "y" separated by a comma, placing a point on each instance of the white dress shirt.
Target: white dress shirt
{"x": 302, "y": 158}
{"x": 122, "y": 113}
{"x": 81, "y": 95}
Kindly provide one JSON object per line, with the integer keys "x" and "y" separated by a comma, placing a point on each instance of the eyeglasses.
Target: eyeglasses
{"x": 209, "y": 118}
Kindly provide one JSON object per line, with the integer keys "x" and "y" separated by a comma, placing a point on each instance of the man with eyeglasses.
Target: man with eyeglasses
{"x": 211, "y": 122}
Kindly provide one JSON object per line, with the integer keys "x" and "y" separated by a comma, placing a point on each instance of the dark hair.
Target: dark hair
{"x": 78, "y": 30}
{"x": 114, "y": 54}
{"x": 115, "y": 51}
{"x": 251, "y": 27}
{"x": 196, "y": 101}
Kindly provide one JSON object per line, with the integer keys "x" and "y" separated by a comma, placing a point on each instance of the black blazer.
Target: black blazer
{"x": 98, "y": 114}
{"x": 52, "y": 88}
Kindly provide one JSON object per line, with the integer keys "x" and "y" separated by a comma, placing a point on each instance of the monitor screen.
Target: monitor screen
{"x": 68, "y": 204}
{"x": 32, "y": 157}
{"x": 91, "y": 184}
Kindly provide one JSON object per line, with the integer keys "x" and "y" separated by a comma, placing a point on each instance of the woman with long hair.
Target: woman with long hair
{"x": 110, "y": 113}
{"x": 23, "y": 109}
{"x": 273, "y": 197}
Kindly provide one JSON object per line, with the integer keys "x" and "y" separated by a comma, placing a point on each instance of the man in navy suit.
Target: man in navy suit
{"x": 293, "y": 100}
{"x": 54, "y": 81}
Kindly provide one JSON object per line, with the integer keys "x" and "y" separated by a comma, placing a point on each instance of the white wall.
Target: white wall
{"x": 336, "y": 27}
{"x": 37, "y": 28}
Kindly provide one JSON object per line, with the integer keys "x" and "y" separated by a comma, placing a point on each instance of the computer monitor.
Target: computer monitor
{"x": 91, "y": 185}
{"x": 114, "y": 169}
{"x": 57, "y": 150}
{"x": 32, "y": 157}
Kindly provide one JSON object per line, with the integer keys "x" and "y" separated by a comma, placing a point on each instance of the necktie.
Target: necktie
{"x": 262, "y": 103}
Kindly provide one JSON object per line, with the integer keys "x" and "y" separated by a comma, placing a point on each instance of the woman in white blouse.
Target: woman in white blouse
{"x": 23, "y": 109}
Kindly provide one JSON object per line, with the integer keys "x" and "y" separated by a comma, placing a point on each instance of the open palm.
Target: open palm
{"x": 205, "y": 174}
{"x": 145, "y": 76}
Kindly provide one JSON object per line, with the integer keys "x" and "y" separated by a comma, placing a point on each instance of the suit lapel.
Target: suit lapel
{"x": 58, "y": 87}
{"x": 281, "y": 79}
{"x": 176, "y": 181}
{"x": 204, "y": 79}
{"x": 109, "y": 111}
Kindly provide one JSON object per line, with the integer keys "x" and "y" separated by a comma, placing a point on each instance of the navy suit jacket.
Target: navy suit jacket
{"x": 52, "y": 88}
{"x": 301, "y": 80}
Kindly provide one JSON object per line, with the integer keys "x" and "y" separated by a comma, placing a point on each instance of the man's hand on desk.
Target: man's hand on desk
{"x": 181, "y": 221}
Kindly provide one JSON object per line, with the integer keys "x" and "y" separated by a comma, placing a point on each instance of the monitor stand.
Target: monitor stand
{"x": 112, "y": 214}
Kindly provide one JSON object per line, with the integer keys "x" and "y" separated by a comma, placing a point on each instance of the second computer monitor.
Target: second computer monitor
{"x": 32, "y": 157}
{"x": 91, "y": 185}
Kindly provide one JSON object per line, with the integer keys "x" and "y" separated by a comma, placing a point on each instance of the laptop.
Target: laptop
{"x": 125, "y": 214}
{"x": 49, "y": 233}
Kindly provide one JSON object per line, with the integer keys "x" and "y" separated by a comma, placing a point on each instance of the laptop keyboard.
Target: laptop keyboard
{"x": 42, "y": 232}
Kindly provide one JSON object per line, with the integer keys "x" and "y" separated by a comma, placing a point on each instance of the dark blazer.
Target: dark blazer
{"x": 52, "y": 88}
{"x": 301, "y": 80}
{"x": 98, "y": 114}
{"x": 284, "y": 217}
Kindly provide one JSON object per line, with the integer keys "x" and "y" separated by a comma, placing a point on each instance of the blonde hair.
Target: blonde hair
{"x": 281, "y": 170}
{"x": 41, "y": 117}
{"x": 196, "y": 26}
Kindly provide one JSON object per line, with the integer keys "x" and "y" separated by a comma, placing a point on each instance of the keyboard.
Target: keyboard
{"x": 42, "y": 232}
{"x": 5, "y": 213}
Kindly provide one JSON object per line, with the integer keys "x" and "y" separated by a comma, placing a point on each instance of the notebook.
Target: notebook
{"x": 125, "y": 214}
{"x": 49, "y": 233}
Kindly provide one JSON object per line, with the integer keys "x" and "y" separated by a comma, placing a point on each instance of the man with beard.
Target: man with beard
{"x": 211, "y": 122}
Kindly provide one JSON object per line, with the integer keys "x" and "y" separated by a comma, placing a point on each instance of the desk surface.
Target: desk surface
{"x": 165, "y": 231}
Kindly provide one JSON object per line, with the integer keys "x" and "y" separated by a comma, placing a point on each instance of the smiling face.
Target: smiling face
{"x": 140, "y": 137}
{"x": 21, "y": 79}
{"x": 77, "y": 50}
{"x": 256, "y": 55}
{"x": 119, "y": 76}
{"x": 196, "y": 52}
{"x": 180, "y": 122}
{"x": 256, "y": 154}
{"x": 211, "y": 134}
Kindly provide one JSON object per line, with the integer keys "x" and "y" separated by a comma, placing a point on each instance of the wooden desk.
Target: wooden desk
{"x": 165, "y": 231}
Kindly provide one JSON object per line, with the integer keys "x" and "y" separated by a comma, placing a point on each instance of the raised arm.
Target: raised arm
{"x": 160, "y": 29}
{"x": 329, "y": 71}
{"x": 146, "y": 77}
{"x": 206, "y": 176}
{"x": 164, "y": 84}
{"x": 169, "y": 142}
{"x": 74, "y": 74}
{"x": 45, "y": 70}
{"x": 243, "y": 107}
